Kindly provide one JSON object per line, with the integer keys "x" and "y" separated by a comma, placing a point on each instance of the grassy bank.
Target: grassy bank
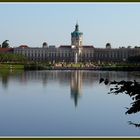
{"x": 38, "y": 66}
{"x": 72, "y": 66}
{"x": 11, "y": 66}
{"x": 121, "y": 68}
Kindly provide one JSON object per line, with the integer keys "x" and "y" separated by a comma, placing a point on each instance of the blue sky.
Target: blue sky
{"x": 33, "y": 24}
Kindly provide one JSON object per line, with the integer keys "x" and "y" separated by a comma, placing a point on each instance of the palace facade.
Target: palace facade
{"x": 76, "y": 52}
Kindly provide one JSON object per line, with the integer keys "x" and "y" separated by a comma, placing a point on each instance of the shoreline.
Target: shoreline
{"x": 99, "y": 68}
{"x": 27, "y": 67}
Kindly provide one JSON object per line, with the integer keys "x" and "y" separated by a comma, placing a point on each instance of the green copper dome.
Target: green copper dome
{"x": 76, "y": 33}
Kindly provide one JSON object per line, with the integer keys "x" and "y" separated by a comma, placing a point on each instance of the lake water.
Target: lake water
{"x": 64, "y": 103}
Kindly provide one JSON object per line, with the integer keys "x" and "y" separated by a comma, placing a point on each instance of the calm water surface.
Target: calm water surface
{"x": 64, "y": 103}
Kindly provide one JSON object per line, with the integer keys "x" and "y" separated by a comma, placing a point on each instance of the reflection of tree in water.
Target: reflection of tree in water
{"x": 6, "y": 74}
{"x": 5, "y": 81}
{"x": 131, "y": 88}
{"x": 4, "y": 78}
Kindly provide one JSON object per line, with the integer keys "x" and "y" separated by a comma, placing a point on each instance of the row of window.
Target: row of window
{"x": 39, "y": 51}
{"x": 117, "y": 54}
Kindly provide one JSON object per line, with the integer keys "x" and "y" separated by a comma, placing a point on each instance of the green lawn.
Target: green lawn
{"x": 11, "y": 66}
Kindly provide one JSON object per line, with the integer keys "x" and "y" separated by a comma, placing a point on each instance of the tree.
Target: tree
{"x": 129, "y": 47}
{"x": 12, "y": 58}
{"x": 5, "y": 44}
{"x": 134, "y": 59}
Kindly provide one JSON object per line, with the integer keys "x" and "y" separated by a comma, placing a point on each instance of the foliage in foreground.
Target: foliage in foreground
{"x": 131, "y": 88}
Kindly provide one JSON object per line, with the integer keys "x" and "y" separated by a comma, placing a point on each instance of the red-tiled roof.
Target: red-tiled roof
{"x": 23, "y": 46}
{"x": 6, "y": 49}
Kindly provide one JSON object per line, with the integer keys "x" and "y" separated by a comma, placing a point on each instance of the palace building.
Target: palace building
{"x": 76, "y": 52}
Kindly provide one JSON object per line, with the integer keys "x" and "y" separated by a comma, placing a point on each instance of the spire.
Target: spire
{"x": 77, "y": 22}
{"x": 76, "y": 27}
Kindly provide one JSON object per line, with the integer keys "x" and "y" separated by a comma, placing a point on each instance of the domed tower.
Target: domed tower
{"x": 44, "y": 45}
{"x": 77, "y": 37}
{"x": 108, "y": 45}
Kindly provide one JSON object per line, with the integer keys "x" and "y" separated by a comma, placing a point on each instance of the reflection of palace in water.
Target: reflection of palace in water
{"x": 76, "y": 86}
{"x": 76, "y": 79}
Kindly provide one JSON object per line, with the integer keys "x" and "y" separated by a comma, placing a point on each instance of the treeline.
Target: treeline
{"x": 12, "y": 58}
{"x": 5, "y": 44}
{"x": 134, "y": 59}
